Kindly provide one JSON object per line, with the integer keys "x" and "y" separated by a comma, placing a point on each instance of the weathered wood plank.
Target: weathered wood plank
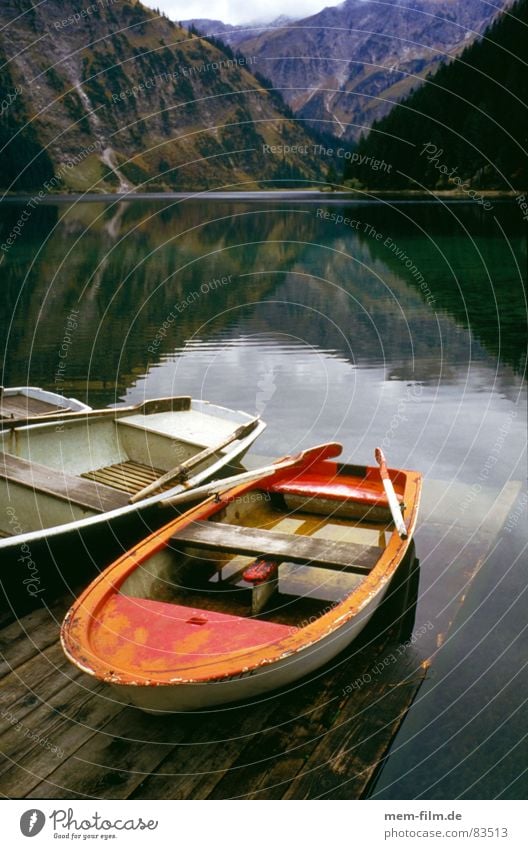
{"x": 113, "y": 761}
{"x": 128, "y": 476}
{"x": 193, "y": 768}
{"x": 44, "y": 673}
{"x": 296, "y": 548}
{"x": 344, "y": 762}
{"x": 60, "y": 484}
{"x": 13, "y": 406}
{"x": 31, "y": 634}
{"x": 66, "y": 721}
{"x": 270, "y": 762}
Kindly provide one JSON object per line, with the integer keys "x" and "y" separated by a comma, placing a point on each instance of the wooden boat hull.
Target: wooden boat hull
{"x": 163, "y": 657}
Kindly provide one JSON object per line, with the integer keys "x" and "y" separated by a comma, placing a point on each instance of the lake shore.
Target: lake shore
{"x": 300, "y": 195}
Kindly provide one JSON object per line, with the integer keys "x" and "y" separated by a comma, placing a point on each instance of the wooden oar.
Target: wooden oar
{"x": 156, "y": 405}
{"x": 181, "y": 471}
{"x": 217, "y": 487}
{"x": 391, "y": 495}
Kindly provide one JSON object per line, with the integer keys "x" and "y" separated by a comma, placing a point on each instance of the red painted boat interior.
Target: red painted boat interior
{"x": 312, "y": 484}
{"x": 147, "y": 635}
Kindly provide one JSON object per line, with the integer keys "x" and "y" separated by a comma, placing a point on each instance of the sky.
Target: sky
{"x": 238, "y": 11}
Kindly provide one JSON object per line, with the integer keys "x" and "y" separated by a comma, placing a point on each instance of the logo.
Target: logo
{"x": 32, "y": 822}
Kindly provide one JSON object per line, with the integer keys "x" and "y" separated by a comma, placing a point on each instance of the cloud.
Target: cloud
{"x": 237, "y": 11}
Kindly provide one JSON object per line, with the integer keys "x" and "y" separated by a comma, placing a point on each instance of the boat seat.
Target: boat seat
{"x": 155, "y": 634}
{"x": 59, "y": 484}
{"x": 339, "y": 489}
{"x": 295, "y": 548}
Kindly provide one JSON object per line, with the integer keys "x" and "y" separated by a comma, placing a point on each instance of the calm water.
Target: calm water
{"x": 405, "y": 326}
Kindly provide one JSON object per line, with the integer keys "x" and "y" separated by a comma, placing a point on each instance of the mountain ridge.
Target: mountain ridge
{"x": 346, "y": 66}
{"x": 467, "y": 127}
{"x": 122, "y": 98}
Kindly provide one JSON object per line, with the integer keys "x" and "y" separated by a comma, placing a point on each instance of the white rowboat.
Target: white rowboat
{"x": 82, "y": 470}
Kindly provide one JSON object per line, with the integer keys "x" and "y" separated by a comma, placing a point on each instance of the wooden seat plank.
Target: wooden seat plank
{"x": 59, "y": 484}
{"x": 295, "y": 548}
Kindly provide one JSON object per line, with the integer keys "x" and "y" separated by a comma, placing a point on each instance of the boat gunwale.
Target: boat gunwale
{"x": 231, "y": 665}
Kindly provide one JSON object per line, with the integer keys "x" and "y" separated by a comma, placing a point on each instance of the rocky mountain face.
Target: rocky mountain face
{"x": 113, "y": 96}
{"x": 346, "y": 66}
{"x": 465, "y": 130}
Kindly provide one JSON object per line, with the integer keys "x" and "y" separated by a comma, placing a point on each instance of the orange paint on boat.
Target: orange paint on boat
{"x": 176, "y": 645}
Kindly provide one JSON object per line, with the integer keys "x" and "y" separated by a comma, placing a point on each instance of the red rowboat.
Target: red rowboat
{"x": 250, "y": 590}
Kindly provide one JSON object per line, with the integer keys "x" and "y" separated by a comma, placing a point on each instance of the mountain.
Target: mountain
{"x": 113, "y": 96}
{"x": 233, "y": 34}
{"x": 346, "y": 66}
{"x": 466, "y": 127}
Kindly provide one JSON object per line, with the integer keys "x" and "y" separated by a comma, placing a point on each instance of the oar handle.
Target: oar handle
{"x": 382, "y": 463}
{"x": 391, "y": 495}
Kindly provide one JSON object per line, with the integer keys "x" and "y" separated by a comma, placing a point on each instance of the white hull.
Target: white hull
{"x": 23, "y": 500}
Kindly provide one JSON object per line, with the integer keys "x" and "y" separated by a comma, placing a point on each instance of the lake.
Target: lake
{"x": 399, "y": 323}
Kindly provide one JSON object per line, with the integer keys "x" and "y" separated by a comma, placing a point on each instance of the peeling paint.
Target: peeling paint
{"x": 93, "y": 632}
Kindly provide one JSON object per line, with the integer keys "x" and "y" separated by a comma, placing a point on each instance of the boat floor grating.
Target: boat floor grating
{"x": 128, "y": 477}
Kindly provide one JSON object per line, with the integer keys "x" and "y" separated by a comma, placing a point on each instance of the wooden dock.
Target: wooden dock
{"x": 62, "y": 734}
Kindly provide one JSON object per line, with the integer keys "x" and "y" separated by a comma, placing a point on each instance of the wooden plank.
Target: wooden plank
{"x": 26, "y": 699}
{"x": 127, "y": 477}
{"x": 293, "y": 547}
{"x": 347, "y": 757}
{"x": 66, "y": 721}
{"x": 193, "y": 768}
{"x": 71, "y": 488}
{"x": 48, "y": 698}
{"x": 112, "y": 762}
{"x": 43, "y": 673}
{"x": 136, "y": 473}
{"x": 31, "y": 634}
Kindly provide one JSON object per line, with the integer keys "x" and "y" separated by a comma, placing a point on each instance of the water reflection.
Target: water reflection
{"x": 130, "y": 267}
{"x": 271, "y": 307}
